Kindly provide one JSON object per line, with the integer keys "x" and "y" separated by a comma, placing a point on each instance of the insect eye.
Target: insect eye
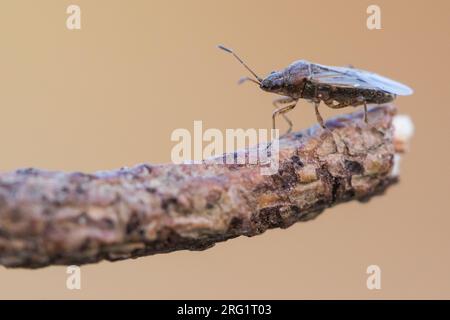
{"x": 272, "y": 72}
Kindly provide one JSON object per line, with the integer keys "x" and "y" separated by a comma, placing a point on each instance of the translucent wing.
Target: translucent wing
{"x": 356, "y": 78}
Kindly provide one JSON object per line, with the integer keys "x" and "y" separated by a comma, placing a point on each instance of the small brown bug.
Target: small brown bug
{"x": 337, "y": 87}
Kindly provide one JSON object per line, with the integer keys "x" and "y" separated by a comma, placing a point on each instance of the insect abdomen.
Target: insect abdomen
{"x": 377, "y": 96}
{"x": 351, "y": 96}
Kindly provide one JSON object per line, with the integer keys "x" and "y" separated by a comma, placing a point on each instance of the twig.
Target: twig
{"x": 55, "y": 218}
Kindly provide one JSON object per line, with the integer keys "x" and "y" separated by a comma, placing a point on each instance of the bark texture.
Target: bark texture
{"x": 56, "y": 218}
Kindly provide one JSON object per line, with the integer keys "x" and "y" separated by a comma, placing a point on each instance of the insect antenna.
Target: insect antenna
{"x": 245, "y": 79}
{"x": 242, "y": 62}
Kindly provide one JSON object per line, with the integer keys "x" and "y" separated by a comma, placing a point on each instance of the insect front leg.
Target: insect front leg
{"x": 282, "y": 110}
{"x": 277, "y": 104}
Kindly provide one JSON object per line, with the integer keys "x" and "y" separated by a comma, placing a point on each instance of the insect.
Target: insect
{"x": 337, "y": 87}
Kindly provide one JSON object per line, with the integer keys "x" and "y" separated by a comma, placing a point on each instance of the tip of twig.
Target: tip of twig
{"x": 403, "y": 132}
{"x": 403, "y": 128}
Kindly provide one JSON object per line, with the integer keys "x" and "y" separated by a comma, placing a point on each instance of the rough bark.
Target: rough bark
{"x": 56, "y": 218}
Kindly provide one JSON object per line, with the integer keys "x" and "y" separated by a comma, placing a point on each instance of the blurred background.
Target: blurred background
{"x": 109, "y": 95}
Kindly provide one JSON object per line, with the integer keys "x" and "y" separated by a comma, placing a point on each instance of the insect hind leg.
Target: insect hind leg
{"x": 341, "y": 105}
{"x": 361, "y": 100}
{"x": 366, "y": 119}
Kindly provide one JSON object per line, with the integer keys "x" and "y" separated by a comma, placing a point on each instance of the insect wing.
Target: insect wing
{"x": 339, "y": 76}
{"x": 356, "y": 78}
{"x": 385, "y": 84}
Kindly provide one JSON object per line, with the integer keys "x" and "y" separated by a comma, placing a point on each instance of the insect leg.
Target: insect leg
{"x": 319, "y": 117}
{"x": 365, "y": 112}
{"x": 245, "y": 79}
{"x": 360, "y": 100}
{"x": 277, "y": 102}
{"x": 282, "y": 110}
{"x": 340, "y": 105}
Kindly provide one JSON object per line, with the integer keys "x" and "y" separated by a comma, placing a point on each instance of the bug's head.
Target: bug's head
{"x": 274, "y": 82}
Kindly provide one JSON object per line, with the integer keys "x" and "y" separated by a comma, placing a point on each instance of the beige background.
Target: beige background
{"x": 110, "y": 94}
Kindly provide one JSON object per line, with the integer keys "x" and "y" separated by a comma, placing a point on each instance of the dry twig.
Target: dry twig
{"x": 74, "y": 218}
